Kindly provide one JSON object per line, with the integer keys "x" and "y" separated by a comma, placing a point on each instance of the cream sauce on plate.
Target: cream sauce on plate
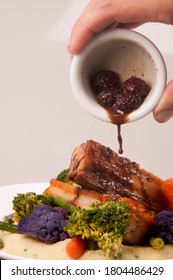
{"x": 21, "y": 245}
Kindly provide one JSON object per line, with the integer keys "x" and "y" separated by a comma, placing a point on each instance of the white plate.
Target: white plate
{"x": 6, "y": 196}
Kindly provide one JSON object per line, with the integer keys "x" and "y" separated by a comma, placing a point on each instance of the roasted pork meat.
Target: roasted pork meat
{"x": 98, "y": 168}
{"x": 141, "y": 219}
{"x": 140, "y": 223}
{"x": 101, "y": 174}
{"x": 75, "y": 194}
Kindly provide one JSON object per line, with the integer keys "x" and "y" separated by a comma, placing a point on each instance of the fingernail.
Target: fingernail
{"x": 164, "y": 116}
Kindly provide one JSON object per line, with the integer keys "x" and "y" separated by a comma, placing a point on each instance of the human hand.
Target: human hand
{"x": 164, "y": 110}
{"x": 100, "y": 14}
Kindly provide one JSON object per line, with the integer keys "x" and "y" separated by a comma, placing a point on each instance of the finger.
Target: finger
{"x": 83, "y": 41}
{"x": 86, "y": 34}
{"x": 86, "y": 27}
{"x": 164, "y": 110}
{"x": 80, "y": 36}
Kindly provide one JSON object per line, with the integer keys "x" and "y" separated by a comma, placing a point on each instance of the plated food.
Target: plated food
{"x": 102, "y": 207}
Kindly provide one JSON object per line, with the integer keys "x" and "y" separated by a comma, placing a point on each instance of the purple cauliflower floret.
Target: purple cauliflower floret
{"x": 45, "y": 223}
{"x": 164, "y": 225}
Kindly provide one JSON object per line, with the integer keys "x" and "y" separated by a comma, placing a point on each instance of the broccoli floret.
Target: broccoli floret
{"x": 45, "y": 223}
{"x": 9, "y": 218}
{"x": 63, "y": 177}
{"x": 105, "y": 224}
{"x": 164, "y": 225}
{"x": 24, "y": 204}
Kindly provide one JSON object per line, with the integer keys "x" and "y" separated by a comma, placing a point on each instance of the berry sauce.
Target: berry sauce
{"x": 118, "y": 99}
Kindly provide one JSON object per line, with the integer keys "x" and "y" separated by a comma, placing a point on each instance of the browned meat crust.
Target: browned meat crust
{"x": 76, "y": 194}
{"x": 140, "y": 223}
{"x": 96, "y": 167}
{"x": 141, "y": 219}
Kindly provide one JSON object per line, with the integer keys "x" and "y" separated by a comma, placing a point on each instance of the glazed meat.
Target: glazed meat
{"x": 140, "y": 223}
{"x": 96, "y": 167}
{"x": 75, "y": 194}
{"x": 141, "y": 219}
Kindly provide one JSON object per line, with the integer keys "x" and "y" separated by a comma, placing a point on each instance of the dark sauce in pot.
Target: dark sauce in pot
{"x": 118, "y": 99}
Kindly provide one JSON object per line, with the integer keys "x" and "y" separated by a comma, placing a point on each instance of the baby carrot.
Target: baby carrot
{"x": 76, "y": 247}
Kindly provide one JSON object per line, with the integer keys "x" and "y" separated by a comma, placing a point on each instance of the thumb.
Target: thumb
{"x": 164, "y": 110}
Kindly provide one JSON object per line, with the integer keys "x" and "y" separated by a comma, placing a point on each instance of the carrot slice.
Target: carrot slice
{"x": 76, "y": 247}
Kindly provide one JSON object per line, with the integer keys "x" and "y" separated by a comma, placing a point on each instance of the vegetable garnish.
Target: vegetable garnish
{"x": 105, "y": 224}
{"x": 8, "y": 227}
{"x": 63, "y": 177}
{"x": 156, "y": 243}
{"x": 76, "y": 247}
{"x": 45, "y": 223}
{"x": 164, "y": 225}
{"x": 24, "y": 204}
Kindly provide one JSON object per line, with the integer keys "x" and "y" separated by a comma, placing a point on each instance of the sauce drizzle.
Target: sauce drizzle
{"x": 118, "y": 118}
